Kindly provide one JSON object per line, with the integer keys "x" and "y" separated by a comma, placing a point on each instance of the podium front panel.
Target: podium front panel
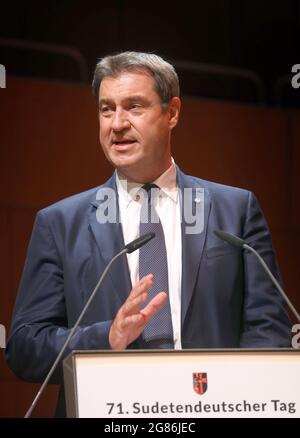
{"x": 186, "y": 383}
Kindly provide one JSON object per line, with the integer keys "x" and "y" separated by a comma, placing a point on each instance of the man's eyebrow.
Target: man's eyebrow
{"x": 104, "y": 101}
{"x": 134, "y": 97}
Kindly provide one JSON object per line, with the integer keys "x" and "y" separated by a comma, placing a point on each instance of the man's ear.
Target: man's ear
{"x": 174, "y": 110}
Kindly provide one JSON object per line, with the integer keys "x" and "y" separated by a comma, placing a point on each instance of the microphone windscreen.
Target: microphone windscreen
{"x": 140, "y": 241}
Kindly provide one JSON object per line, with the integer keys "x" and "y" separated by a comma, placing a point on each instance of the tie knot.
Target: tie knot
{"x": 150, "y": 191}
{"x": 149, "y": 186}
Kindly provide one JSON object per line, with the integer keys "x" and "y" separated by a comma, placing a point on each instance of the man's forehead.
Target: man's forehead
{"x": 132, "y": 83}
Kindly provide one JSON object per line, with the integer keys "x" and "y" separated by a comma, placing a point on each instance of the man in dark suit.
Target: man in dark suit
{"x": 218, "y": 296}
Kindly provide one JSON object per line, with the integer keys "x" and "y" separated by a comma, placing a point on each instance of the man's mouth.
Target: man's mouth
{"x": 123, "y": 144}
{"x": 126, "y": 141}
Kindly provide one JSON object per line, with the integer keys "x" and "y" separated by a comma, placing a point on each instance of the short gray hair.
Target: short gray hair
{"x": 165, "y": 78}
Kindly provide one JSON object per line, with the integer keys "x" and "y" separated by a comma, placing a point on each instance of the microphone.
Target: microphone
{"x": 240, "y": 243}
{"x": 230, "y": 238}
{"x": 140, "y": 241}
{"x": 129, "y": 248}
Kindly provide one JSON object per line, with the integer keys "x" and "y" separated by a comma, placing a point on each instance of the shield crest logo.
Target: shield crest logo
{"x": 200, "y": 383}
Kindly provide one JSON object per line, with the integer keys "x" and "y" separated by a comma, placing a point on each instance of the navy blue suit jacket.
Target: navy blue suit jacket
{"x": 227, "y": 299}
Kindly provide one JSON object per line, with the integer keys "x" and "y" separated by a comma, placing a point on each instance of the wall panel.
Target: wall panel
{"x": 238, "y": 145}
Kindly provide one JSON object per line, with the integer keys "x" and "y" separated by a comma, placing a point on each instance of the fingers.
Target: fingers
{"x": 136, "y": 321}
{"x": 137, "y": 296}
{"x": 133, "y": 305}
{"x": 129, "y": 321}
{"x": 155, "y": 304}
{"x": 142, "y": 317}
{"x": 143, "y": 285}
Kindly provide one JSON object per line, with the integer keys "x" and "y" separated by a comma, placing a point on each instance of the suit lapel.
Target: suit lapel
{"x": 195, "y": 199}
{"x": 109, "y": 236}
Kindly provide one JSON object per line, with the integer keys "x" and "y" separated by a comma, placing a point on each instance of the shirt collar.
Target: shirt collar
{"x": 128, "y": 191}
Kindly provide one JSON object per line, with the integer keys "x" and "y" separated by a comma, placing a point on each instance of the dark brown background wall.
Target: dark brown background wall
{"x": 262, "y": 36}
{"x": 50, "y": 149}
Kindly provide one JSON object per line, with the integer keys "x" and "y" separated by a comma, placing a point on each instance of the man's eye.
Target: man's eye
{"x": 136, "y": 106}
{"x": 105, "y": 110}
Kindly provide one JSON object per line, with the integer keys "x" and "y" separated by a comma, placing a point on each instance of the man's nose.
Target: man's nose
{"x": 120, "y": 120}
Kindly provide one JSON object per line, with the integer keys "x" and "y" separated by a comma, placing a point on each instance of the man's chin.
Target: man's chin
{"x": 125, "y": 162}
{"x": 130, "y": 169}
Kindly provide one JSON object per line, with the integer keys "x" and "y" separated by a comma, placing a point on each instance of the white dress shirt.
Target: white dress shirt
{"x": 167, "y": 205}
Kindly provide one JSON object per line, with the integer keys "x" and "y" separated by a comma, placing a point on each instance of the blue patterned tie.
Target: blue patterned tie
{"x": 153, "y": 259}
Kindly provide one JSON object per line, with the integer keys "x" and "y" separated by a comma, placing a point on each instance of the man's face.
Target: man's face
{"x": 134, "y": 129}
